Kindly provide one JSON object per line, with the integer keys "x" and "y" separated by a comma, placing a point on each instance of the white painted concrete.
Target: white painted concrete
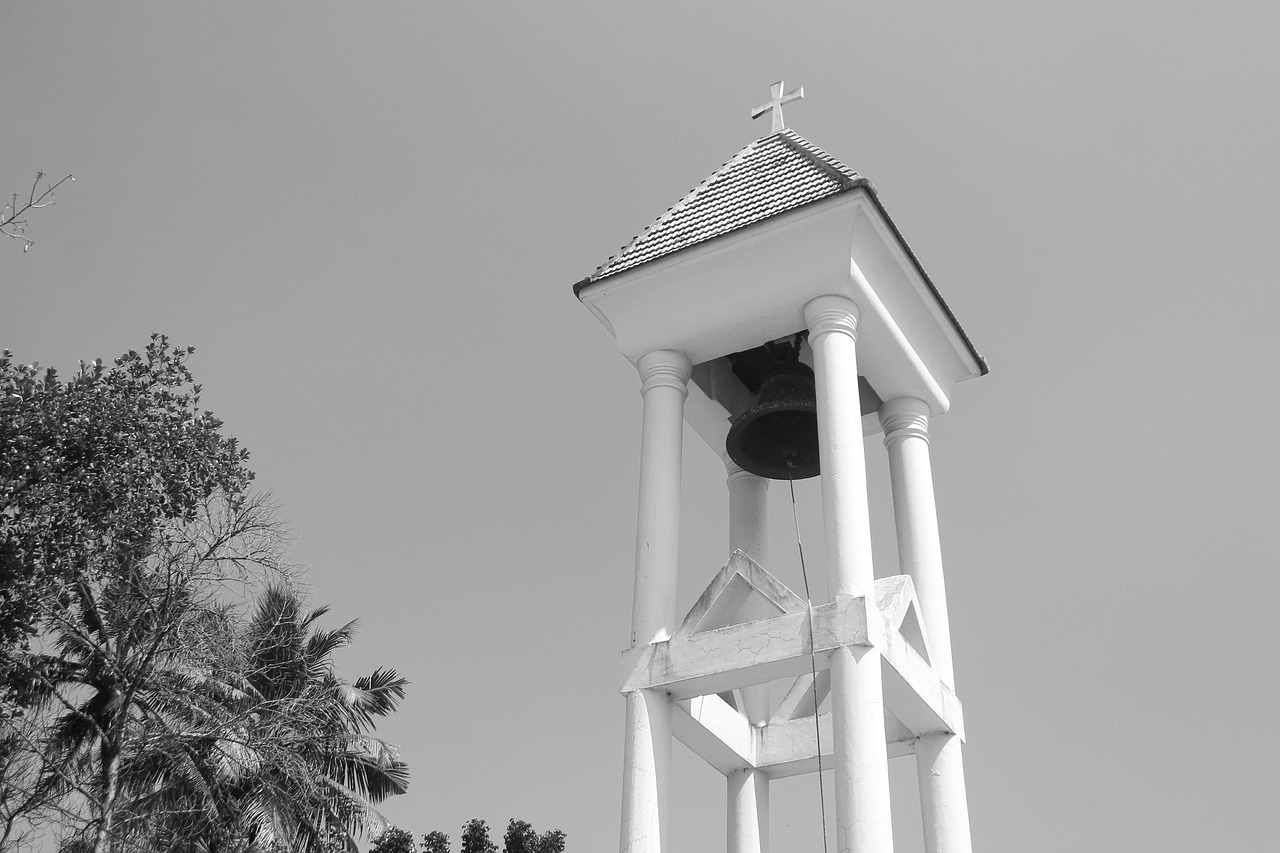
{"x": 939, "y": 764}
{"x": 839, "y": 268}
{"x": 749, "y": 286}
{"x": 944, "y": 805}
{"x": 906, "y": 438}
{"x": 747, "y": 811}
{"x": 715, "y": 731}
{"x": 748, "y": 513}
{"x": 736, "y": 656}
{"x": 864, "y": 823}
{"x": 753, "y": 652}
{"x": 832, "y": 323}
{"x": 646, "y": 770}
{"x": 740, "y": 587}
{"x": 664, "y": 384}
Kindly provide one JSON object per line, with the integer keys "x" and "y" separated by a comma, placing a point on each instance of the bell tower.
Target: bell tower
{"x": 778, "y": 310}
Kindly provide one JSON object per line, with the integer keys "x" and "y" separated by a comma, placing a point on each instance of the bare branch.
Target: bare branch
{"x": 11, "y": 222}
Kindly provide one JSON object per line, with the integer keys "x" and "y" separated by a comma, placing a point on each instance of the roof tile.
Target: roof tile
{"x": 772, "y": 175}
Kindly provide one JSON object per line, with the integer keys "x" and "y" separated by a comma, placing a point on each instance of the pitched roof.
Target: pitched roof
{"x": 772, "y": 175}
{"x": 775, "y": 174}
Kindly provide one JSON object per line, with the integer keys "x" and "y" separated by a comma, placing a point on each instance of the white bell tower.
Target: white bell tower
{"x": 785, "y": 248}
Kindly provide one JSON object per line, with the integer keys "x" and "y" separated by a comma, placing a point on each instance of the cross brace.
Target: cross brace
{"x": 695, "y": 667}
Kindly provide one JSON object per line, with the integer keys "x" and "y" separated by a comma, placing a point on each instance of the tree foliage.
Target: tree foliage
{"x": 520, "y": 837}
{"x": 435, "y": 842}
{"x": 142, "y": 709}
{"x": 475, "y": 837}
{"x": 394, "y": 840}
{"x": 91, "y": 472}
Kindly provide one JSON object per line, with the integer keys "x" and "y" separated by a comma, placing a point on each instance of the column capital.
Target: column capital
{"x": 904, "y": 417}
{"x": 830, "y": 313}
{"x": 664, "y": 368}
{"x": 734, "y": 473}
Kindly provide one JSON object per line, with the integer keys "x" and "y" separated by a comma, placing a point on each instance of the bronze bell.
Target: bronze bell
{"x": 777, "y": 438}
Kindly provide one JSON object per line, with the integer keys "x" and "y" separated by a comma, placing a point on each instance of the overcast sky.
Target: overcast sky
{"x": 367, "y": 219}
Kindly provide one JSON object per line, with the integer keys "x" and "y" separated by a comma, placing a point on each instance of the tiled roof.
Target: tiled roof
{"x": 772, "y": 175}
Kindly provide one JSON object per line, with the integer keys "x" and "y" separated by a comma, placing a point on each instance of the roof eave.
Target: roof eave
{"x": 983, "y": 368}
{"x": 848, "y": 186}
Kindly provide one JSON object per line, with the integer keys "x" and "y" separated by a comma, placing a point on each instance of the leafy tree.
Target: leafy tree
{"x": 475, "y": 837}
{"x": 91, "y": 471}
{"x": 394, "y": 840}
{"x": 122, "y": 509}
{"x": 521, "y": 838}
{"x": 140, "y": 710}
{"x": 435, "y": 842}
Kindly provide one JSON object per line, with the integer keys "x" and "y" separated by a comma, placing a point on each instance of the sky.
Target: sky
{"x": 368, "y": 218}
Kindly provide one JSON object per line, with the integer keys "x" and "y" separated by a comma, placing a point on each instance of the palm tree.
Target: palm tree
{"x": 201, "y": 731}
{"x": 127, "y": 695}
{"x": 318, "y": 770}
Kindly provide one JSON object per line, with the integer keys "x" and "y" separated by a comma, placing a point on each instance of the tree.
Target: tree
{"x": 475, "y": 837}
{"x": 122, "y": 508}
{"x": 325, "y": 771}
{"x": 91, "y": 471}
{"x": 13, "y": 216}
{"x": 141, "y": 681}
{"x": 142, "y": 710}
{"x": 435, "y": 842}
{"x": 521, "y": 838}
{"x": 393, "y": 840}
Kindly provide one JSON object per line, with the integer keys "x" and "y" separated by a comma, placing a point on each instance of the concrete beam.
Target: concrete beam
{"x": 751, "y": 653}
{"x": 715, "y": 731}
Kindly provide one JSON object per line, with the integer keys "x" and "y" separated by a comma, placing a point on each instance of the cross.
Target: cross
{"x": 775, "y": 103}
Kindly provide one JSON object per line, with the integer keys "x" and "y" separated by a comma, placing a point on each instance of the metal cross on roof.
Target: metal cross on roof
{"x": 775, "y": 103}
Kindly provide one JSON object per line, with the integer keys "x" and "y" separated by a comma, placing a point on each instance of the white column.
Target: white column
{"x": 748, "y": 789}
{"x": 944, "y": 805}
{"x": 749, "y": 533}
{"x": 646, "y": 771}
{"x": 748, "y": 513}
{"x": 915, "y": 515}
{"x": 748, "y": 828}
{"x": 864, "y": 823}
{"x": 939, "y": 764}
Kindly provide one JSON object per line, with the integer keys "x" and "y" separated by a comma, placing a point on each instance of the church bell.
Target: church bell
{"x": 777, "y": 437}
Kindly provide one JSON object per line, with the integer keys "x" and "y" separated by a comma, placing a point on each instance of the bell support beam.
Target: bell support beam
{"x": 646, "y": 780}
{"x": 725, "y": 659}
{"x": 717, "y": 733}
{"x": 939, "y": 763}
{"x": 751, "y": 653}
{"x": 791, "y": 748}
{"x": 864, "y": 822}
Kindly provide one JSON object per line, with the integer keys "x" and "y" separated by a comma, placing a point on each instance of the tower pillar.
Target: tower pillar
{"x": 863, "y": 820}
{"x": 939, "y": 763}
{"x": 915, "y": 516}
{"x": 646, "y": 784}
{"x": 747, "y": 806}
